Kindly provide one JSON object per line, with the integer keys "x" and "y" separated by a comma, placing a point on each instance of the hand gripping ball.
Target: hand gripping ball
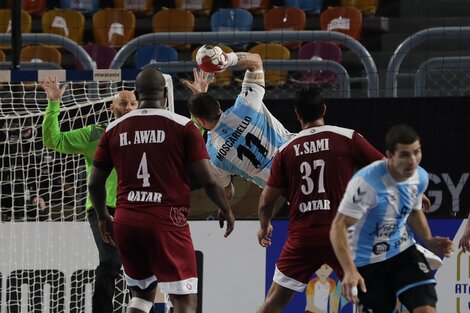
{"x": 211, "y": 59}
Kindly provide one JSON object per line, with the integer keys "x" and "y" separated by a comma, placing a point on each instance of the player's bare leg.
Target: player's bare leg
{"x": 142, "y": 301}
{"x": 184, "y": 303}
{"x": 278, "y": 297}
{"x": 425, "y": 309}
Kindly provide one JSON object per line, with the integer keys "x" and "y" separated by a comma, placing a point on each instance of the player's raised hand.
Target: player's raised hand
{"x": 212, "y": 59}
{"x": 230, "y": 218}
{"x": 52, "y": 88}
{"x": 264, "y": 236}
{"x": 201, "y": 82}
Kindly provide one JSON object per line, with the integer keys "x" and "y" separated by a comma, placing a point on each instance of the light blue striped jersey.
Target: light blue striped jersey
{"x": 381, "y": 206}
{"x": 246, "y": 138}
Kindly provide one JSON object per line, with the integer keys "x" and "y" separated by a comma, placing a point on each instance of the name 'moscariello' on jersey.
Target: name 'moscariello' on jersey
{"x": 246, "y": 138}
{"x": 381, "y": 205}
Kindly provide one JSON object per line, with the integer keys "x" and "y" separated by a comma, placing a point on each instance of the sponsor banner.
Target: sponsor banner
{"x": 51, "y": 74}
{"x": 5, "y": 76}
{"x": 453, "y": 278}
{"x": 106, "y": 75}
{"x": 57, "y": 262}
{"x": 323, "y": 293}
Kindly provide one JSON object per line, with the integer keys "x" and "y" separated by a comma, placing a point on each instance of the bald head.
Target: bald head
{"x": 150, "y": 85}
{"x": 124, "y": 94}
{"x": 123, "y": 102}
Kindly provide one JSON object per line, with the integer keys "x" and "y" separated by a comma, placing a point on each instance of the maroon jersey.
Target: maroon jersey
{"x": 151, "y": 150}
{"x": 314, "y": 169}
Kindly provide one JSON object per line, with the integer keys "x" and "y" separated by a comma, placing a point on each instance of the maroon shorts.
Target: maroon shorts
{"x": 167, "y": 257}
{"x": 299, "y": 260}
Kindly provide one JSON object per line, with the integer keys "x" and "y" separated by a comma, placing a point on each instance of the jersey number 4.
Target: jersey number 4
{"x": 308, "y": 184}
{"x": 143, "y": 171}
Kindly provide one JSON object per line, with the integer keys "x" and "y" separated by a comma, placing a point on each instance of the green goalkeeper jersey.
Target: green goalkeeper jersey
{"x": 82, "y": 141}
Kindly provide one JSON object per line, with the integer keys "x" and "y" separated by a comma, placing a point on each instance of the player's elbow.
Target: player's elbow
{"x": 93, "y": 186}
{"x": 48, "y": 144}
{"x": 257, "y": 58}
{"x": 257, "y": 62}
{"x": 211, "y": 184}
{"x": 47, "y": 141}
{"x": 229, "y": 191}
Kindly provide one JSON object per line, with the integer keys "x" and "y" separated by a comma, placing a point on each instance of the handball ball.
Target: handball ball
{"x": 211, "y": 59}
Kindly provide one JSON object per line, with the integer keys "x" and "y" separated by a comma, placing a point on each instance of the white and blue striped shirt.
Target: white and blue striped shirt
{"x": 246, "y": 138}
{"x": 381, "y": 205}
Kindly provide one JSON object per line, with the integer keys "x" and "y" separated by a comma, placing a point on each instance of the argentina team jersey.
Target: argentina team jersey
{"x": 381, "y": 206}
{"x": 246, "y": 137}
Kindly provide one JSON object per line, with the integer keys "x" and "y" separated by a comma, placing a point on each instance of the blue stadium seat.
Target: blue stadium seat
{"x": 308, "y": 6}
{"x": 86, "y": 7}
{"x": 232, "y": 20}
{"x": 158, "y": 53}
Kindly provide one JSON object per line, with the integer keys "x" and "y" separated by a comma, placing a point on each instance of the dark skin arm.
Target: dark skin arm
{"x": 97, "y": 190}
{"x": 202, "y": 169}
{"x": 266, "y": 212}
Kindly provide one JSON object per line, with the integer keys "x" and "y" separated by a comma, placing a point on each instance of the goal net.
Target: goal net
{"x": 48, "y": 252}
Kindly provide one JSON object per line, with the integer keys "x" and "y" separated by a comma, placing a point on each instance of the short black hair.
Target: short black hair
{"x": 150, "y": 84}
{"x": 309, "y": 104}
{"x": 400, "y": 134}
{"x": 203, "y": 105}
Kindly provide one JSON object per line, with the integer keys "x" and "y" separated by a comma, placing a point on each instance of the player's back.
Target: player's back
{"x": 151, "y": 150}
{"x": 247, "y": 137}
{"x": 317, "y": 166}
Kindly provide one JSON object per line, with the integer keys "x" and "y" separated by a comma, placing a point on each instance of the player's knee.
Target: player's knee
{"x": 184, "y": 303}
{"x": 140, "y": 304}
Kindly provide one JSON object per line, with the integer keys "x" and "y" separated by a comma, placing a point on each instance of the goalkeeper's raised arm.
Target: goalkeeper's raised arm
{"x": 84, "y": 141}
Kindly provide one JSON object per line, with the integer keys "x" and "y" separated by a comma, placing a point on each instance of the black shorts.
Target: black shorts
{"x": 406, "y": 276}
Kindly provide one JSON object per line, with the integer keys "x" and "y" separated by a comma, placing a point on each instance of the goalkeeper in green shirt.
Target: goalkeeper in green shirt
{"x": 84, "y": 141}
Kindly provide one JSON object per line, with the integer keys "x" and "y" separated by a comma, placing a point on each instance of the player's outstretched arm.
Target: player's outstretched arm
{"x": 73, "y": 141}
{"x": 214, "y": 190}
{"x": 52, "y": 88}
{"x": 251, "y": 61}
{"x": 213, "y": 59}
{"x": 419, "y": 224}
{"x": 339, "y": 240}
{"x": 265, "y": 213}
{"x": 201, "y": 82}
{"x": 97, "y": 191}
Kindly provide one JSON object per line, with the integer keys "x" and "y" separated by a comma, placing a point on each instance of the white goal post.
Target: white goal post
{"x": 40, "y": 187}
